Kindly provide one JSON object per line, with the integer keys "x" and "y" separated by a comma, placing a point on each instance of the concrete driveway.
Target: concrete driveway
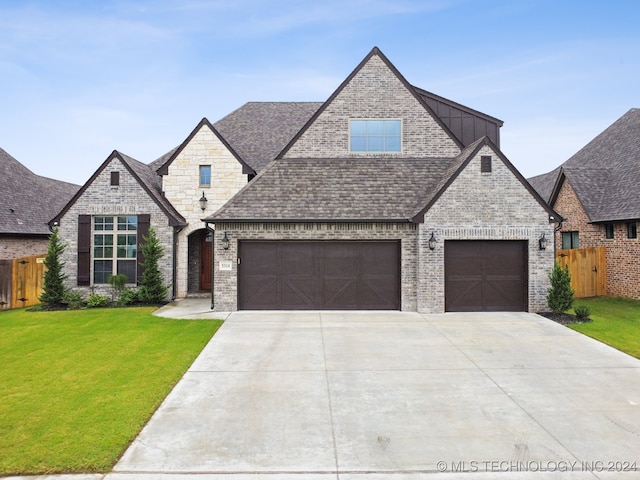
{"x": 390, "y": 395}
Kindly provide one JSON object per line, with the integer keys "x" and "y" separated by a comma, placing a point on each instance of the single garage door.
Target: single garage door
{"x": 331, "y": 275}
{"x": 485, "y": 276}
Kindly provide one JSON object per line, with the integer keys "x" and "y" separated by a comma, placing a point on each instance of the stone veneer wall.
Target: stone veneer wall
{"x": 16, "y": 246}
{"x": 470, "y": 210}
{"x": 101, "y": 198}
{"x": 623, "y": 267}
{"x": 374, "y": 92}
{"x": 226, "y": 282}
{"x": 182, "y": 188}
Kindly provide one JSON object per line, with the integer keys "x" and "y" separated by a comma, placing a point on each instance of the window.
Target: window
{"x": 608, "y": 230}
{"x": 375, "y": 136}
{"x": 632, "y": 230}
{"x": 205, "y": 175}
{"x": 115, "y": 247}
{"x": 115, "y": 179}
{"x": 570, "y": 240}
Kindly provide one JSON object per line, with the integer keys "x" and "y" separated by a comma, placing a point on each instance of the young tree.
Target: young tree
{"x": 152, "y": 290}
{"x": 560, "y": 294}
{"x": 53, "y": 291}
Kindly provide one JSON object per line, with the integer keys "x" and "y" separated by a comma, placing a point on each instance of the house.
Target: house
{"x": 596, "y": 192}
{"x": 386, "y": 196}
{"x": 27, "y": 202}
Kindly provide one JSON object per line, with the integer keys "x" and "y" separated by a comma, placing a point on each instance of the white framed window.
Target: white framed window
{"x": 115, "y": 247}
{"x": 205, "y": 175}
{"x": 375, "y": 135}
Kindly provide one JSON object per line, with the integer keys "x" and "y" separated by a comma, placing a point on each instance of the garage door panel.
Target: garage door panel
{"x": 319, "y": 275}
{"x": 486, "y": 275}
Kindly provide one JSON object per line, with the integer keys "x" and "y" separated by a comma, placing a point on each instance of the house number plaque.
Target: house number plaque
{"x": 226, "y": 265}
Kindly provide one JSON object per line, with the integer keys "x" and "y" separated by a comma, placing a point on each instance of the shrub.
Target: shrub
{"x": 96, "y": 300}
{"x": 582, "y": 311}
{"x": 152, "y": 290}
{"x": 560, "y": 294}
{"x": 117, "y": 283}
{"x": 128, "y": 297}
{"x": 53, "y": 290}
{"x": 73, "y": 300}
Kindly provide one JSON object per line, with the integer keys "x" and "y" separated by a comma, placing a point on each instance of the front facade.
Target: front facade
{"x": 385, "y": 196}
{"x": 596, "y": 193}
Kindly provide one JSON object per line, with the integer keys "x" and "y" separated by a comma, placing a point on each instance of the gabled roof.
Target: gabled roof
{"x": 374, "y": 52}
{"x": 144, "y": 174}
{"x": 27, "y": 200}
{"x": 163, "y": 168}
{"x": 353, "y": 189}
{"x": 605, "y": 173}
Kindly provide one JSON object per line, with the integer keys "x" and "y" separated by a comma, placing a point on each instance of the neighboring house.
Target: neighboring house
{"x": 596, "y": 192}
{"x": 388, "y": 197}
{"x": 346, "y": 197}
{"x": 27, "y": 202}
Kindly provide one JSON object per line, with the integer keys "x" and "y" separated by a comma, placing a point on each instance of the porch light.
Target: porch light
{"x": 542, "y": 242}
{"x": 225, "y": 242}
{"x": 203, "y": 202}
{"x": 432, "y": 242}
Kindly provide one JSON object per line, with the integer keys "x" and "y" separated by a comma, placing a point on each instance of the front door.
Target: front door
{"x": 206, "y": 242}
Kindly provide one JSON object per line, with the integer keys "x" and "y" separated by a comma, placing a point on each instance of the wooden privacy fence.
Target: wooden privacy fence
{"x": 21, "y": 281}
{"x": 588, "y": 270}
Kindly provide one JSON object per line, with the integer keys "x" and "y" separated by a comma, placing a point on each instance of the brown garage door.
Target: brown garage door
{"x": 485, "y": 276}
{"x": 332, "y": 275}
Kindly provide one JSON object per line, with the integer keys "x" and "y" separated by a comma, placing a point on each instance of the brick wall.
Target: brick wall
{"x": 484, "y": 206}
{"x": 623, "y": 266}
{"x": 374, "y": 92}
{"x": 16, "y": 246}
{"x": 226, "y": 282}
{"x": 182, "y": 188}
{"x": 100, "y": 198}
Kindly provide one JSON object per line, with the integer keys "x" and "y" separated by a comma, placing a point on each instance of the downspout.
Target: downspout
{"x": 213, "y": 256}
{"x": 174, "y": 275}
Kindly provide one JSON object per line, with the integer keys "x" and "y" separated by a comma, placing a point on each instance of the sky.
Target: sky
{"x": 79, "y": 79}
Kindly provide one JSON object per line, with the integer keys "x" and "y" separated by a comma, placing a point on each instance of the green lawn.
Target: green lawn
{"x": 616, "y": 322}
{"x": 76, "y": 387}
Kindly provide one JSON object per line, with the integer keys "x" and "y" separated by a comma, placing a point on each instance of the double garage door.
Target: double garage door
{"x": 332, "y": 275}
{"x": 363, "y": 275}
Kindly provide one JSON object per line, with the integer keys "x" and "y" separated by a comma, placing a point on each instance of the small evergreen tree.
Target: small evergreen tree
{"x": 53, "y": 291}
{"x": 560, "y": 294}
{"x": 152, "y": 290}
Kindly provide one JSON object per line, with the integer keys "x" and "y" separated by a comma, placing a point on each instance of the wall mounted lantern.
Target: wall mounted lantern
{"x": 432, "y": 242}
{"x": 225, "y": 242}
{"x": 203, "y": 202}
{"x": 542, "y": 242}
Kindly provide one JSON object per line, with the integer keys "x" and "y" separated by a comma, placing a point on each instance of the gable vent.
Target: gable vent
{"x": 485, "y": 164}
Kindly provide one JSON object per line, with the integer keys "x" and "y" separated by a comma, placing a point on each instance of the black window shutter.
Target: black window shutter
{"x": 84, "y": 250}
{"x": 144, "y": 221}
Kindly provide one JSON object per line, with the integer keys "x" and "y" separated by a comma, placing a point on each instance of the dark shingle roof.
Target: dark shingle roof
{"x": 605, "y": 173}
{"x": 27, "y": 200}
{"x": 338, "y": 189}
{"x": 258, "y": 131}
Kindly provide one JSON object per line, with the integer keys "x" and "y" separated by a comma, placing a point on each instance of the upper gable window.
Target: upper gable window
{"x": 205, "y": 175}
{"x": 375, "y": 136}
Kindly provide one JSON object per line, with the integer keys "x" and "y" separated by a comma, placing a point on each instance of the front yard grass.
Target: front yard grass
{"x": 76, "y": 387}
{"x": 616, "y": 322}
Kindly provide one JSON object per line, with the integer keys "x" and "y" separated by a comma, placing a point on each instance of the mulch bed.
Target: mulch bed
{"x": 564, "y": 318}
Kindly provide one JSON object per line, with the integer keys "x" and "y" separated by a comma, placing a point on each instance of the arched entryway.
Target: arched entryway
{"x": 200, "y": 261}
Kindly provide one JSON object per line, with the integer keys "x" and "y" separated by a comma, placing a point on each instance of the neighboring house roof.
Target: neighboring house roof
{"x": 351, "y": 189}
{"x": 27, "y": 200}
{"x": 146, "y": 176}
{"x": 605, "y": 173}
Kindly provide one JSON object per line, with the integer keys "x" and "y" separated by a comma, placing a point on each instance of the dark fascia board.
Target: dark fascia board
{"x": 212, "y": 219}
{"x": 164, "y": 169}
{"x": 173, "y": 219}
{"x": 554, "y": 217}
{"x": 378, "y": 52}
{"x": 459, "y": 106}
